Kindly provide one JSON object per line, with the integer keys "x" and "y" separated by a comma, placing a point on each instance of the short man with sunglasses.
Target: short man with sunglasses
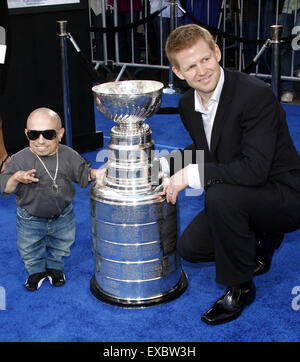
{"x": 42, "y": 177}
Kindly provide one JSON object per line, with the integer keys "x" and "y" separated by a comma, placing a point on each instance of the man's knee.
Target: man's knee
{"x": 184, "y": 250}
{"x": 187, "y": 251}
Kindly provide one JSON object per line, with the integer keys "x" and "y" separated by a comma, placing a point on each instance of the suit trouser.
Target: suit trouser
{"x": 226, "y": 230}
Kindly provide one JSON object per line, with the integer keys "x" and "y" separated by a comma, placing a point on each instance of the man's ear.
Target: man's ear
{"x": 218, "y": 53}
{"x": 177, "y": 72}
{"x": 60, "y": 134}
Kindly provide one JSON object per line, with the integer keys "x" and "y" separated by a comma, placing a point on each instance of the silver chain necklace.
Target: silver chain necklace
{"x": 54, "y": 184}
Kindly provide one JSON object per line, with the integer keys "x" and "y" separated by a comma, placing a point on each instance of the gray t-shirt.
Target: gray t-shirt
{"x": 39, "y": 198}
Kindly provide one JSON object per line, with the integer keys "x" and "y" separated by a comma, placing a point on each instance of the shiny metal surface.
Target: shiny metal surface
{"x": 128, "y": 103}
{"x": 134, "y": 232}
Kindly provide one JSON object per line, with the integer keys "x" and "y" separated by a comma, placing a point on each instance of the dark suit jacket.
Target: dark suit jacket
{"x": 250, "y": 142}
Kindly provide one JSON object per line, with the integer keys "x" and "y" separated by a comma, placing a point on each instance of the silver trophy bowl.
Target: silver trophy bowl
{"x": 128, "y": 102}
{"x": 134, "y": 230}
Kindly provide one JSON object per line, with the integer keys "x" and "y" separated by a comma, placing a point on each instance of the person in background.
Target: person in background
{"x": 162, "y": 26}
{"x": 129, "y": 49}
{"x": 289, "y": 18}
{"x": 4, "y": 157}
{"x": 96, "y": 20}
{"x": 41, "y": 176}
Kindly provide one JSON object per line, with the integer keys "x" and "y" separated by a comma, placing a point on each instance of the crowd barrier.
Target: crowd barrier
{"x": 242, "y": 29}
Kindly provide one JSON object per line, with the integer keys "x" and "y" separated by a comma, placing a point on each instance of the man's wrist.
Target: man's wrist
{"x": 92, "y": 176}
{"x": 193, "y": 177}
{"x": 165, "y": 168}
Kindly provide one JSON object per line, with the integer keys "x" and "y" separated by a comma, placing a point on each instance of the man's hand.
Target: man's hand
{"x": 176, "y": 183}
{"x": 24, "y": 177}
{"x": 98, "y": 175}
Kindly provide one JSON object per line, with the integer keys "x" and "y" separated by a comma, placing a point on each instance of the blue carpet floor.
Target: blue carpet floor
{"x": 72, "y": 314}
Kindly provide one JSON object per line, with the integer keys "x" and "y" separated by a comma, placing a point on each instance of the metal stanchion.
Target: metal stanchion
{"x": 171, "y": 89}
{"x": 65, "y": 80}
{"x": 276, "y": 31}
{"x": 255, "y": 60}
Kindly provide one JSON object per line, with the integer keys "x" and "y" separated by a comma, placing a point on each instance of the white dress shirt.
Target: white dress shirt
{"x": 208, "y": 117}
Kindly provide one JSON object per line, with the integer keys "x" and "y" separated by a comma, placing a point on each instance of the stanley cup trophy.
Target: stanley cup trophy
{"x": 134, "y": 230}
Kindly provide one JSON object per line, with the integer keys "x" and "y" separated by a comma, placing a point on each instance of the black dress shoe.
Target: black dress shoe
{"x": 265, "y": 247}
{"x": 263, "y": 259}
{"x": 261, "y": 267}
{"x": 230, "y": 306}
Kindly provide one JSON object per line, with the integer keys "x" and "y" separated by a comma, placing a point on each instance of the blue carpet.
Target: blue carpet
{"x": 72, "y": 314}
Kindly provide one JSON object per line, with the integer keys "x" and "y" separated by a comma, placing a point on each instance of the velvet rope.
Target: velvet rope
{"x": 213, "y": 30}
{"x": 115, "y": 29}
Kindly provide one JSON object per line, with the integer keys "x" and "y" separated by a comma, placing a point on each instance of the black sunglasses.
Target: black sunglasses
{"x": 49, "y": 134}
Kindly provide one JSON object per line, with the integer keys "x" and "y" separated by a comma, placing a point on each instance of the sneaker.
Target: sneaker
{"x": 297, "y": 73}
{"x": 56, "y": 277}
{"x": 287, "y": 97}
{"x": 34, "y": 281}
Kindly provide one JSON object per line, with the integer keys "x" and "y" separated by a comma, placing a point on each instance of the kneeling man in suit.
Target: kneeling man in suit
{"x": 250, "y": 170}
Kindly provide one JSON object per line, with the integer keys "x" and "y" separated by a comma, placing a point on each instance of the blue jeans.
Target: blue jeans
{"x": 43, "y": 242}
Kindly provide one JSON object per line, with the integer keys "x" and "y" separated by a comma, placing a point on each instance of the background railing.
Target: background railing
{"x": 130, "y": 35}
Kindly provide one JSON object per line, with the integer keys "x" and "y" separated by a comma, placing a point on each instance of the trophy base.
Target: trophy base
{"x": 139, "y": 303}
